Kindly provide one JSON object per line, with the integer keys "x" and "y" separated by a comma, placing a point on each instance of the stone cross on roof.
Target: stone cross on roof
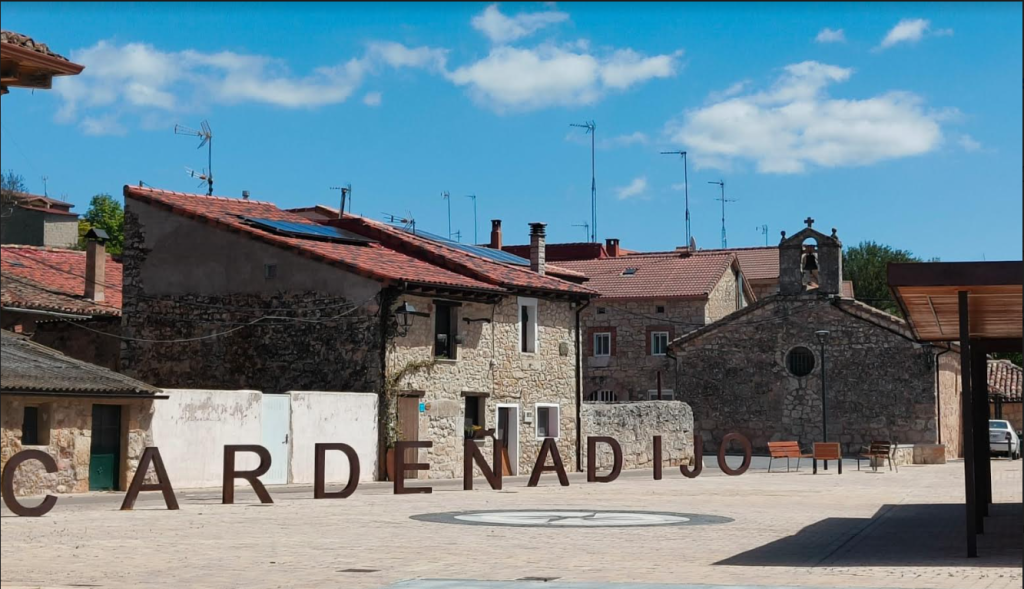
{"x": 809, "y": 221}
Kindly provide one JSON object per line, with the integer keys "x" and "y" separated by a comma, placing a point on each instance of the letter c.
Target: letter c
{"x": 8, "y": 483}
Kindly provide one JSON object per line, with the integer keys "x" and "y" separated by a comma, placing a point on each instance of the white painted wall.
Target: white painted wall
{"x": 191, "y": 428}
{"x": 320, "y": 417}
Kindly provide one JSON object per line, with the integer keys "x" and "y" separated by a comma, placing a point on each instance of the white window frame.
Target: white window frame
{"x": 653, "y": 335}
{"x": 536, "y": 420}
{"x": 600, "y": 334}
{"x": 666, "y": 395}
{"x": 533, "y": 344}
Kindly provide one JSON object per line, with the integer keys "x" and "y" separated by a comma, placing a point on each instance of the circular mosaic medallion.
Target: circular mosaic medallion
{"x": 566, "y": 518}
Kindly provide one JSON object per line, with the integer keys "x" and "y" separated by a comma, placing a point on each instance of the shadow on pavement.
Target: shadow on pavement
{"x": 923, "y": 535}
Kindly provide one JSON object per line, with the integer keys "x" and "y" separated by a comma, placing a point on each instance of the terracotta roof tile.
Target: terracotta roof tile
{"x": 759, "y": 263}
{"x": 53, "y": 279}
{"x": 1004, "y": 379}
{"x": 17, "y": 39}
{"x": 373, "y": 260}
{"x": 505, "y": 275}
{"x": 668, "y": 275}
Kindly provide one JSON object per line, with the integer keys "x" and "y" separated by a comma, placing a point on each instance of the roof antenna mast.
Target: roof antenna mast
{"x": 206, "y": 138}
{"x": 686, "y": 190}
{"x": 586, "y": 229}
{"x": 476, "y": 240}
{"x": 591, "y": 128}
{"x": 723, "y": 200}
{"x": 763, "y": 230}
{"x": 346, "y": 196}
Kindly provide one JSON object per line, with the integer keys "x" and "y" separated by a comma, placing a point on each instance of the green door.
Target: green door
{"x": 105, "y": 454}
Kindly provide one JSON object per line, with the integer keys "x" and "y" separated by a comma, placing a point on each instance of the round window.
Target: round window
{"x": 800, "y": 361}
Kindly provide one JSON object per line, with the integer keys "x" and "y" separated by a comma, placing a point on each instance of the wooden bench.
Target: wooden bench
{"x": 877, "y": 451}
{"x": 827, "y": 451}
{"x": 785, "y": 450}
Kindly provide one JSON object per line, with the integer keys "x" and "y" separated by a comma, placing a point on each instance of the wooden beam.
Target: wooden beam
{"x": 957, "y": 274}
{"x": 967, "y": 427}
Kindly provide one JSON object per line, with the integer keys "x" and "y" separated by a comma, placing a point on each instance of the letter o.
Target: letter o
{"x": 747, "y": 453}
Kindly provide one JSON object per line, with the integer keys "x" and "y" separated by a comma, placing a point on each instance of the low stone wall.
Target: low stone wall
{"x": 929, "y": 454}
{"x": 634, "y": 425}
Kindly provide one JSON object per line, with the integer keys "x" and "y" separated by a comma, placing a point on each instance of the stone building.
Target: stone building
{"x": 646, "y": 300}
{"x": 1004, "y": 390}
{"x": 68, "y": 300}
{"x": 758, "y": 371}
{"x": 29, "y": 219}
{"x": 95, "y": 423}
{"x": 260, "y": 298}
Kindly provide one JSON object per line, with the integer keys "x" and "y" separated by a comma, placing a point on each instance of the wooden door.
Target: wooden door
{"x": 105, "y": 449}
{"x": 409, "y": 429}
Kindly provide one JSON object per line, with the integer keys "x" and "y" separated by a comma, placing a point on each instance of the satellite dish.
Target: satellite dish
{"x": 693, "y": 244}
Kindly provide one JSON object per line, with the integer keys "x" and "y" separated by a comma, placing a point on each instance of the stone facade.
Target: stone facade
{"x": 630, "y": 372}
{"x": 70, "y": 438}
{"x": 490, "y": 365}
{"x": 634, "y": 425}
{"x": 881, "y": 384}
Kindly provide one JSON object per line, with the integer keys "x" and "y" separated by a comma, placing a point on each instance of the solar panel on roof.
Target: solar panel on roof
{"x": 308, "y": 231}
{"x": 484, "y": 252}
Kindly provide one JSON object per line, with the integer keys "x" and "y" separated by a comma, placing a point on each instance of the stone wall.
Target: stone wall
{"x": 70, "y": 440}
{"x": 309, "y": 327}
{"x": 881, "y": 384}
{"x": 949, "y": 403}
{"x": 631, "y": 371}
{"x": 60, "y": 231}
{"x": 723, "y": 298}
{"x": 634, "y": 425}
{"x": 489, "y": 362}
{"x": 1011, "y": 412}
{"x": 82, "y": 344}
{"x": 22, "y": 226}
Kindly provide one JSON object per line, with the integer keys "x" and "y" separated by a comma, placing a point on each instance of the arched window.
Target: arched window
{"x": 800, "y": 361}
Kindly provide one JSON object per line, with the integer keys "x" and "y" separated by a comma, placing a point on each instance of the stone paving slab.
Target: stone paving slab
{"x": 463, "y": 584}
{"x": 794, "y": 529}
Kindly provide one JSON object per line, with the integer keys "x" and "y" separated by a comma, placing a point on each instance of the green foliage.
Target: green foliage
{"x": 10, "y": 182}
{"x": 866, "y": 264}
{"x": 1014, "y": 357}
{"x": 107, "y": 214}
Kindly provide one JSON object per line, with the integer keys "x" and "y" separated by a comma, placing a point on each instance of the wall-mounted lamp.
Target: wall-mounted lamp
{"x": 406, "y": 310}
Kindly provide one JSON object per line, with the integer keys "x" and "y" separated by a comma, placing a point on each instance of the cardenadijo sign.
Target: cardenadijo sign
{"x": 472, "y": 455}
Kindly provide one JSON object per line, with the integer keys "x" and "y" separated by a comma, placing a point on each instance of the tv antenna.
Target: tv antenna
{"x": 407, "y": 222}
{"x": 45, "y": 193}
{"x": 476, "y": 239}
{"x": 591, "y": 128}
{"x": 205, "y": 134}
{"x": 763, "y": 230}
{"x": 723, "y": 200}
{"x": 448, "y": 197}
{"x": 686, "y": 189}
{"x": 457, "y": 236}
{"x": 586, "y": 229}
{"x": 346, "y": 196}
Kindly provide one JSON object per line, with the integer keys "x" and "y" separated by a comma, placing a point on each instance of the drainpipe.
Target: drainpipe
{"x": 579, "y": 389}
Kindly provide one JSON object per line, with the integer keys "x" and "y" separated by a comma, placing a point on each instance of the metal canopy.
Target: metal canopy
{"x": 927, "y": 294}
{"x": 977, "y": 304}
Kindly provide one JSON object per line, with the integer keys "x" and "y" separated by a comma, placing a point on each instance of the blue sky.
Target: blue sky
{"x": 899, "y": 123}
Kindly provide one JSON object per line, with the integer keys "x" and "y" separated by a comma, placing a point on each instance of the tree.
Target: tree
{"x": 10, "y": 183}
{"x": 865, "y": 265}
{"x": 107, "y": 214}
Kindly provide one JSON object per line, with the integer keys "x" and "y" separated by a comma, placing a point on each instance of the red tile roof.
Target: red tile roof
{"x": 48, "y": 211}
{"x": 24, "y": 198}
{"x": 759, "y": 263}
{"x": 375, "y": 261}
{"x": 19, "y": 40}
{"x": 505, "y": 275}
{"x": 656, "y": 276}
{"x": 1004, "y": 379}
{"x": 53, "y": 279}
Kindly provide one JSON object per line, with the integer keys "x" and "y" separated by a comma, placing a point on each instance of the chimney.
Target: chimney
{"x": 496, "y": 234}
{"x": 245, "y": 195}
{"x": 611, "y": 245}
{"x": 537, "y": 257}
{"x": 95, "y": 264}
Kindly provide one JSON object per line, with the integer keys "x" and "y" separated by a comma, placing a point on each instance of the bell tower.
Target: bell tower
{"x": 805, "y": 267}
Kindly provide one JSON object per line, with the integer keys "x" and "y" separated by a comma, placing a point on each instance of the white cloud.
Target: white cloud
{"x": 635, "y": 138}
{"x": 968, "y": 143}
{"x": 679, "y": 187}
{"x": 795, "y": 124}
{"x": 372, "y": 99}
{"x": 524, "y": 79}
{"x": 504, "y": 29}
{"x": 911, "y": 30}
{"x": 634, "y": 189}
{"x": 140, "y": 79}
{"x": 105, "y": 125}
{"x": 828, "y": 35}
{"x": 732, "y": 90}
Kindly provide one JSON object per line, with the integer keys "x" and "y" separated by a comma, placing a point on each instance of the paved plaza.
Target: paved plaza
{"x": 858, "y": 530}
